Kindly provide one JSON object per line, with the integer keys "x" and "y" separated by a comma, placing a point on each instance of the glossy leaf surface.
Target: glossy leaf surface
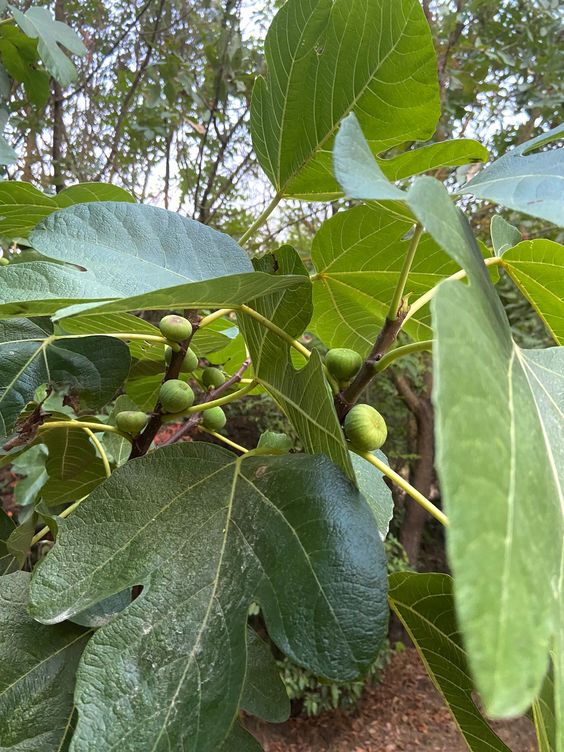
{"x": 204, "y": 533}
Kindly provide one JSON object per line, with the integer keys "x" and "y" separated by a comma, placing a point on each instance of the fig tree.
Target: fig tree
{"x": 342, "y": 363}
{"x": 175, "y": 328}
{"x": 365, "y": 428}
{"x": 175, "y": 396}
{"x": 131, "y": 421}
{"x": 212, "y": 377}
{"x": 214, "y": 418}
{"x": 190, "y": 362}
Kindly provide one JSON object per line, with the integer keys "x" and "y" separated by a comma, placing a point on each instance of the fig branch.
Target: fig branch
{"x": 180, "y": 330}
{"x": 215, "y": 396}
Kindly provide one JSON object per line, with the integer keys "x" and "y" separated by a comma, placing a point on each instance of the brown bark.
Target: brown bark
{"x": 58, "y": 124}
{"x": 422, "y": 475}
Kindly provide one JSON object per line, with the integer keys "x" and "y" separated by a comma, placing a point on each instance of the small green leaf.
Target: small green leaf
{"x": 37, "y": 673}
{"x": 375, "y": 490}
{"x": 8, "y": 561}
{"x": 504, "y": 235}
{"x": 537, "y": 268}
{"x": 31, "y": 466}
{"x": 92, "y": 367}
{"x": 425, "y": 605}
{"x": 38, "y": 23}
{"x": 453, "y": 153}
{"x": 19, "y": 542}
{"x": 524, "y": 181}
{"x": 264, "y": 693}
{"x": 22, "y": 206}
{"x": 207, "y": 534}
{"x": 73, "y": 467}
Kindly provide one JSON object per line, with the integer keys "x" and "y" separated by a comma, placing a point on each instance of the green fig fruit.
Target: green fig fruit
{"x": 175, "y": 328}
{"x": 365, "y": 428}
{"x": 277, "y": 441}
{"x": 190, "y": 362}
{"x": 131, "y": 421}
{"x": 342, "y": 363}
{"x": 175, "y": 396}
{"x": 214, "y": 418}
{"x": 4, "y": 261}
{"x": 212, "y": 377}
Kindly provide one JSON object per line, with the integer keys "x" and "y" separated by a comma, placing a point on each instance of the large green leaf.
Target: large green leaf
{"x": 304, "y": 395}
{"x": 206, "y": 534}
{"x": 37, "y": 672}
{"x": 526, "y": 179}
{"x": 537, "y": 268}
{"x": 134, "y": 248}
{"x": 311, "y": 49}
{"x": 22, "y": 206}
{"x": 425, "y": 605}
{"x": 500, "y": 456}
{"x": 91, "y": 367}
{"x": 358, "y": 256}
{"x": 73, "y": 467}
{"x": 38, "y": 23}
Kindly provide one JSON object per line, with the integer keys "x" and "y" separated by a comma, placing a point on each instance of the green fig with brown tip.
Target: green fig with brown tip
{"x": 175, "y": 328}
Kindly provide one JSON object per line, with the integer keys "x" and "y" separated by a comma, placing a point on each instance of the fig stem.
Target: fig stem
{"x": 101, "y": 451}
{"x": 407, "y": 487}
{"x": 430, "y": 294}
{"x": 210, "y": 318}
{"x": 404, "y": 274}
{"x": 216, "y": 402}
{"x": 261, "y": 219}
{"x": 65, "y": 513}
{"x": 225, "y": 440}
{"x": 276, "y": 329}
{"x": 100, "y": 427}
{"x": 400, "y": 352}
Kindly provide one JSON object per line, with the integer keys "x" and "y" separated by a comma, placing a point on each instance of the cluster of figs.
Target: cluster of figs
{"x": 176, "y": 395}
{"x": 364, "y": 427}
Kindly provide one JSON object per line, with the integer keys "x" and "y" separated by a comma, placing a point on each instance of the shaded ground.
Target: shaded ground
{"x": 404, "y": 713}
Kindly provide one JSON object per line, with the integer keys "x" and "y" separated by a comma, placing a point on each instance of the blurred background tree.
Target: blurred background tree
{"x": 161, "y": 106}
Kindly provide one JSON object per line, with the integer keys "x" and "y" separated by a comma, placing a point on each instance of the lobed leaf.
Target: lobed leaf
{"x": 206, "y": 534}
{"x": 37, "y": 673}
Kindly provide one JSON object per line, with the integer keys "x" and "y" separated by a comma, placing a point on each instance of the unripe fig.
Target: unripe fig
{"x": 276, "y": 441}
{"x": 4, "y": 261}
{"x": 212, "y": 377}
{"x": 365, "y": 428}
{"x": 214, "y": 418}
{"x": 175, "y": 396}
{"x": 190, "y": 362}
{"x": 342, "y": 363}
{"x": 131, "y": 421}
{"x": 175, "y": 328}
